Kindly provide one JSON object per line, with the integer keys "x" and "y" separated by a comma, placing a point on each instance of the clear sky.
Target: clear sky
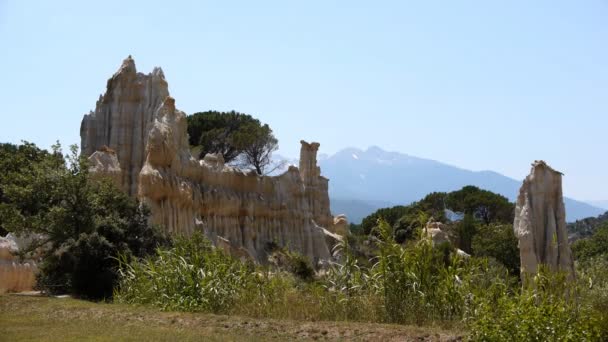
{"x": 478, "y": 84}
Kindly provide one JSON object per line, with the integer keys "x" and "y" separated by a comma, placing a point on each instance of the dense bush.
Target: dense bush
{"x": 18, "y": 195}
{"x": 593, "y": 289}
{"x": 480, "y": 205}
{"x": 594, "y": 246}
{"x": 546, "y": 311}
{"x": 498, "y": 241}
{"x": 389, "y": 215}
{"x": 484, "y": 205}
{"x": 81, "y": 225}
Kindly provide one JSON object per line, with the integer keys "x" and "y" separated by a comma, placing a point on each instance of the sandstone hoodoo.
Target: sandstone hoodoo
{"x": 138, "y": 138}
{"x": 540, "y": 222}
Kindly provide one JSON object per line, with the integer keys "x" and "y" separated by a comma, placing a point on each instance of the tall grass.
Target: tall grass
{"x": 414, "y": 284}
{"x": 191, "y": 276}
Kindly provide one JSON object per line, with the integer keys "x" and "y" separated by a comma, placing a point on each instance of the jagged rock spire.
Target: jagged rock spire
{"x": 540, "y": 222}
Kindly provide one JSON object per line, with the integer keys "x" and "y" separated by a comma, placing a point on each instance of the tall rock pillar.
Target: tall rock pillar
{"x": 315, "y": 185}
{"x": 540, "y": 222}
{"x": 122, "y": 118}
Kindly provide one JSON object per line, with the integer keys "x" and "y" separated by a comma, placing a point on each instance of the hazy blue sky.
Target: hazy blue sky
{"x": 477, "y": 84}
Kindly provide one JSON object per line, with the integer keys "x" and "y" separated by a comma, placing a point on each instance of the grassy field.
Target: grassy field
{"x": 27, "y": 318}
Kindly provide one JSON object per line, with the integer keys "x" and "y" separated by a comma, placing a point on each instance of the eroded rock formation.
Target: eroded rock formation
{"x": 315, "y": 185}
{"x": 435, "y": 231}
{"x": 138, "y": 121}
{"x": 122, "y": 118}
{"x": 340, "y": 225}
{"x": 15, "y": 275}
{"x": 540, "y": 222}
{"x": 105, "y": 162}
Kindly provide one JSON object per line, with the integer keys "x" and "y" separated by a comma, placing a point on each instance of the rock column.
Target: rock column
{"x": 540, "y": 222}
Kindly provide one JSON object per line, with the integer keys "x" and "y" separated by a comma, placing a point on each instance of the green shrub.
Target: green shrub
{"x": 594, "y": 246}
{"x": 498, "y": 241}
{"x": 545, "y": 311}
{"x": 593, "y": 289}
{"x": 80, "y": 225}
{"x": 300, "y": 266}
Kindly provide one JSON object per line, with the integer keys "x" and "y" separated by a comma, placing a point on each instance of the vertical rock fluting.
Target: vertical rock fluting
{"x": 540, "y": 222}
{"x": 316, "y": 186}
{"x": 15, "y": 275}
{"x": 122, "y": 117}
{"x": 231, "y": 206}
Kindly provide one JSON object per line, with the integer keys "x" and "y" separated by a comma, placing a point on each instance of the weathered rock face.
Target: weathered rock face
{"x": 122, "y": 117}
{"x": 437, "y": 234}
{"x": 15, "y": 275}
{"x": 340, "y": 225}
{"x": 138, "y": 120}
{"x": 316, "y": 186}
{"x": 540, "y": 222}
{"x": 105, "y": 162}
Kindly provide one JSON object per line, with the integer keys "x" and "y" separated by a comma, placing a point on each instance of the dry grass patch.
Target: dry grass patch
{"x": 51, "y": 319}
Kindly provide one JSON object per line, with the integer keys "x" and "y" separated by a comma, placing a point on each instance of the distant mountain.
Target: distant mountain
{"x": 365, "y": 177}
{"x": 599, "y": 204}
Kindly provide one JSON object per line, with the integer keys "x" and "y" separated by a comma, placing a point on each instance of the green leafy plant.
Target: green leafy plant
{"x": 80, "y": 225}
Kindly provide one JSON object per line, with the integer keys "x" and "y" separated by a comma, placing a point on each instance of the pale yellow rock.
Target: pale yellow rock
{"x": 316, "y": 186}
{"x": 540, "y": 222}
{"x": 122, "y": 117}
{"x": 435, "y": 232}
{"x": 15, "y": 275}
{"x": 340, "y": 225}
{"x": 104, "y": 163}
{"x": 238, "y": 210}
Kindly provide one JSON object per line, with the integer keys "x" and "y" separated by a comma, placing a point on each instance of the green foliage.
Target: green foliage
{"x": 593, "y": 246}
{"x": 479, "y": 204}
{"x": 593, "y": 289}
{"x": 299, "y": 266}
{"x": 190, "y": 276}
{"x": 81, "y": 225}
{"x": 19, "y": 197}
{"x": 238, "y": 137}
{"x": 390, "y": 215}
{"x": 257, "y": 152}
{"x": 421, "y": 283}
{"x": 498, "y": 241}
{"x": 416, "y": 283}
{"x": 484, "y": 205}
{"x": 219, "y": 132}
{"x": 538, "y": 313}
{"x": 405, "y": 220}
{"x": 285, "y": 260}
{"x": 466, "y": 230}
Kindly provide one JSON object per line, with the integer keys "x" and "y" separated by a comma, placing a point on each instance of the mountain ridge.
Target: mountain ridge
{"x": 374, "y": 175}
